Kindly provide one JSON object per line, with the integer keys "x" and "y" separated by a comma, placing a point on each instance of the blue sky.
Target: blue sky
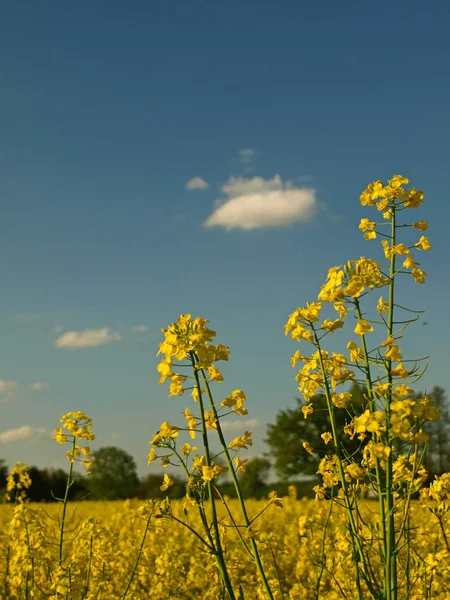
{"x": 109, "y": 109}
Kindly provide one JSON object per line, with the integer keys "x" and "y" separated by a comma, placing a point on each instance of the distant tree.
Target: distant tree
{"x": 114, "y": 474}
{"x": 286, "y": 436}
{"x": 437, "y": 454}
{"x": 254, "y": 480}
{"x": 46, "y": 484}
{"x": 55, "y": 480}
{"x": 3, "y": 473}
{"x": 149, "y": 487}
{"x": 40, "y": 488}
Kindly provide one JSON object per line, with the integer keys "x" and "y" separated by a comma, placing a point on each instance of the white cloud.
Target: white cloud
{"x": 7, "y": 386}
{"x": 196, "y": 183}
{"x": 242, "y": 424}
{"x": 88, "y": 338}
{"x": 38, "y": 386}
{"x": 139, "y": 328}
{"x": 246, "y": 155}
{"x": 8, "y": 390}
{"x": 22, "y": 434}
{"x": 257, "y": 202}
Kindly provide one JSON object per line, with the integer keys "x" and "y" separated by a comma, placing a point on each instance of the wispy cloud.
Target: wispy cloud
{"x": 8, "y": 390}
{"x": 242, "y": 424}
{"x": 38, "y": 386}
{"x": 89, "y": 338}
{"x": 139, "y": 328}
{"x": 25, "y": 433}
{"x": 196, "y": 183}
{"x": 256, "y": 202}
{"x": 246, "y": 155}
{"x": 7, "y": 386}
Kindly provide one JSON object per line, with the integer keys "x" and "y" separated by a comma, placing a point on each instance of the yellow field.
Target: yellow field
{"x": 102, "y": 550}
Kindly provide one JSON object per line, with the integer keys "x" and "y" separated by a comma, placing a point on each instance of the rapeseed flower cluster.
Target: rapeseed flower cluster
{"x": 308, "y": 565}
{"x": 207, "y": 546}
{"x": 390, "y": 420}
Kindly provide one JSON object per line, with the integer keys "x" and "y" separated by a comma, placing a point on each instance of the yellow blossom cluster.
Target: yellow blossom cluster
{"x": 109, "y": 536}
{"x": 76, "y": 426}
{"x": 390, "y": 199}
{"x": 189, "y": 338}
{"x": 18, "y": 481}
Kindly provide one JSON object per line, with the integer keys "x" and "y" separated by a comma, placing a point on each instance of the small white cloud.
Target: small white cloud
{"x": 8, "y": 390}
{"x": 257, "y": 202}
{"x": 38, "y": 386}
{"x": 196, "y": 183}
{"x": 242, "y": 424}
{"x": 89, "y": 338}
{"x": 246, "y": 155}
{"x": 22, "y": 434}
{"x": 7, "y": 386}
{"x": 139, "y": 328}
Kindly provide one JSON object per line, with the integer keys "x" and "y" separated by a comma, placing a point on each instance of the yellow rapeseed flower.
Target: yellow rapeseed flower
{"x": 167, "y": 482}
{"x": 363, "y": 327}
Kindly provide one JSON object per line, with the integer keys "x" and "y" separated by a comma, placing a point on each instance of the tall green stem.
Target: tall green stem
{"x": 63, "y": 516}
{"x": 237, "y": 487}
{"x": 136, "y": 562}
{"x": 372, "y": 408}
{"x": 219, "y": 550}
{"x": 356, "y": 541}
{"x": 391, "y": 551}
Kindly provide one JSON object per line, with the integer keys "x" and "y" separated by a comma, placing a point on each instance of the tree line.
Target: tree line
{"x": 114, "y": 472}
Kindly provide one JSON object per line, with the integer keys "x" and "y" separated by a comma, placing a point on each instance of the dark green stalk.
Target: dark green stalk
{"x": 219, "y": 550}
{"x": 322, "y": 549}
{"x": 237, "y": 487}
{"x": 391, "y": 556}
{"x": 356, "y": 541}
{"x": 136, "y": 562}
{"x": 63, "y": 516}
{"x": 372, "y": 408}
{"x": 88, "y": 575}
{"x": 201, "y": 513}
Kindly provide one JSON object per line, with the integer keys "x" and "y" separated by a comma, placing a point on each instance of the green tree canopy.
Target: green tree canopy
{"x": 254, "y": 480}
{"x": 286, "y": 436}
{"x": 149, "y": 487}
{"x": 114, "y": 474}
{"x": 3, "y": 474}
{"x": 437, "y": 453}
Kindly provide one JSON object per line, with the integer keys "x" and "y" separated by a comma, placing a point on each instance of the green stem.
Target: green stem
{"x": 30, "y": 552}
{"x": 192, "y": 530}
{"x": 215, "y": 523}
{"x": 201, "y": 513}
{"x": 444, "y": 535}
{"x": 236, "y": 526}
{"x": 322, "y": 549}
{"x": 64, "y": 509}
{"x": 372, "y": 408}
{"x": 391, "y": 557}
{"x": 356, "y": 541}
{"x": 101, "y": 581}
{"x": 237, "y": 487}
{"x": 88, "y": 576}
{"x": 136, "y": 562}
